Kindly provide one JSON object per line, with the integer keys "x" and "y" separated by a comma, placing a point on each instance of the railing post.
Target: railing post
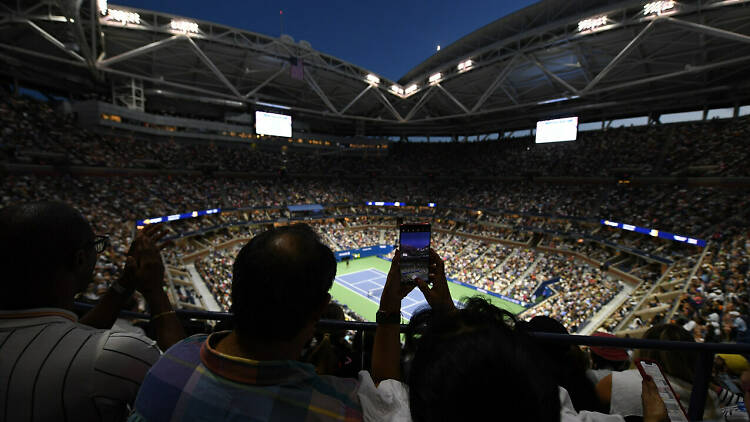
{"x": 698, "y": 396}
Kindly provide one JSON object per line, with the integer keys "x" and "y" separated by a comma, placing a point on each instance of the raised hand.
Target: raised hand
{"x": 144, "y": 269}
{"x": 438, "y": 295}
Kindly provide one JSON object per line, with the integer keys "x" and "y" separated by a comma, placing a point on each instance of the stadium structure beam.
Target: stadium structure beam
{"x": 616, "y": 60}
{"x": 207, "y": 61}
{"x": 551, "y": 75}
{"x": 419, "y": 104}
{"x": 509, "y": 94}
{"x": 43, "y": 56}
{"x": 351, "y": 103}
{"x": 458, "y": 103}
{"x": 54, "y": 41}
{"x": 267, "y": 81}
{"x": 140, "y": 51}
{"x": 315, "y": 87}
{"x": 705, "y": 29}
{"x": 389, "y": 106}
{"x": 688, "y": 69}
{"x": 493, "y": 86}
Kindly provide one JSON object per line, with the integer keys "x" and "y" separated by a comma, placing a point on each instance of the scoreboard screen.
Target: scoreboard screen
{"x": 273, "y": 124}
{"x": 558, "y": 130}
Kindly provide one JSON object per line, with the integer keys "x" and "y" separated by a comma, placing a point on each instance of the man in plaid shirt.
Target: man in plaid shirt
{"x": 280, "y": 289}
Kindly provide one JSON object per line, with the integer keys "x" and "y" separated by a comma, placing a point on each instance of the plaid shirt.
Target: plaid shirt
{"x": 193, "y": 381}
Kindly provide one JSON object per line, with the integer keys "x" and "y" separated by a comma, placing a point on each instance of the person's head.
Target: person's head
{"x": 280, "y": 283}
{"x": 47, "y": 253}
{"x": 611, "y": 358}
{"x": 469, "y": 361}
{"x": 677, "y": 363}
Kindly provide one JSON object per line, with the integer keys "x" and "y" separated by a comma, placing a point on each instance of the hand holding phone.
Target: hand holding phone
{"x": 651, "y": 369}
{"x": 414, "y": 246}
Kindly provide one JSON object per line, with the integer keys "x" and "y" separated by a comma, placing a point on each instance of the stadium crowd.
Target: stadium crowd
{"x": 265, "y": 359}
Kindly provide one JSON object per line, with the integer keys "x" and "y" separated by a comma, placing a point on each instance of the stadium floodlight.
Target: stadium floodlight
{"x": 591, "y": 24}
{"x": 397, "y": 89}
{"x": 124, "y": 17}
{"x": 465, "y": 65}
{"x": 411, "y": 89}
{"x": 373, "y": 79}
{"x": 102, "y": 4}
{"x": 184, "y": 26}
{"x": 658, "y": 8}
{"x": 435, "y": 78}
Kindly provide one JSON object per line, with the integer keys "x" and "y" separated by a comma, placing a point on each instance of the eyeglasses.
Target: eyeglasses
{"x": 100, "y": 243}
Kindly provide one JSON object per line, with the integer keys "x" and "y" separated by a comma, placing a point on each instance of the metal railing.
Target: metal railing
{"x": 704, "y": 364}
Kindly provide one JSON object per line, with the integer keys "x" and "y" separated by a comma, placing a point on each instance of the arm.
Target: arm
{"x": 106, "y": 311}
{"x": 386, "y": 351}
{"x": 387, "y": 348}
{"x": 104, "y": 314}
{"x": 149, "y": 274}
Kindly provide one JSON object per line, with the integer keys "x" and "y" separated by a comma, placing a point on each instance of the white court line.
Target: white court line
{"x": 362, "y": 293}
{"x": 369, "y": 280}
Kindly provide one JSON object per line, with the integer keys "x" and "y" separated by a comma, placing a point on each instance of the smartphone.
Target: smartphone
{"x": 674, "y": 408}
{"x": 414, "y": 244}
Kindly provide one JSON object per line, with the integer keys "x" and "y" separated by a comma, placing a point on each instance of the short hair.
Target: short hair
{"x": 37, "y": 242}
{"x": 473, "y": 360}
{"x": 280, "y": 277}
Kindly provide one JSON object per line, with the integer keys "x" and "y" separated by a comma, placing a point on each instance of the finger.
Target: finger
{"x": 423, "y": 287}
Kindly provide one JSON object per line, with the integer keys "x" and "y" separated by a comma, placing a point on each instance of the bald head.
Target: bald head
{"x": 41, "y": 247}
{"x": 279, "y": 280}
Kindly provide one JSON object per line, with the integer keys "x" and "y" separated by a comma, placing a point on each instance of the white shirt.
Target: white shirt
{"x": 52, "y": 368}
{"x": 389, "y": 401}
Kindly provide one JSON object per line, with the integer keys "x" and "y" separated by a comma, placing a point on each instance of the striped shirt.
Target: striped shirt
{"x": 54, "y": 369}
{"x": 195, "y": 382}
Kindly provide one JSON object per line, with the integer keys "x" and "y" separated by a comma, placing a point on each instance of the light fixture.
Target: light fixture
{"x": 411, "y": 89}
{"x": 436, "y": 77}
{"x": 184, "y": 26}
{"x": 373, "y": 79}
{"x": 397, "y": 89}
{"x": 593, "y": 23}
{"x": 465, "y": 65}
{"x": 658, "y": 7}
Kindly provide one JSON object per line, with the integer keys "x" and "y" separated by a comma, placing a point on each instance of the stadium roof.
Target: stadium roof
{"x": 591, "y": 58}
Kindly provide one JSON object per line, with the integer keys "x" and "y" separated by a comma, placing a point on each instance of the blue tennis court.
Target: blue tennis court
{"x": 369, "y": 283}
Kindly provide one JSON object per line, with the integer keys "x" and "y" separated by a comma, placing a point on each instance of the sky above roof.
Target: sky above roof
{"x": 388, "y": 37}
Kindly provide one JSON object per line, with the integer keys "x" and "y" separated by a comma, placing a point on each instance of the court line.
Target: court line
{"x": 364, "y": 294}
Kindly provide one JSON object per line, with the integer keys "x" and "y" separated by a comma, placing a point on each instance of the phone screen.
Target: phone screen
{"x": 674, "y": 409}
{"x": 414, "y": 243}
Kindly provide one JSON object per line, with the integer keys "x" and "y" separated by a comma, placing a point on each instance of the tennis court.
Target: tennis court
{"x": 360, "y": 284}
{"x": 370, "y": 283}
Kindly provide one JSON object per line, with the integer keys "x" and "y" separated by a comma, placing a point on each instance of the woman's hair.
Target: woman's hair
{"x": 472, "y": 361}
{"x": 566, "y": 364}
{"x": 677, "y": 363}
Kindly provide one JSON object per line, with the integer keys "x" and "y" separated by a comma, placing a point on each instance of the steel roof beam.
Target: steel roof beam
{"x": 551, "y": 75}
{"x": 315, "y": 87}
{"x": 207, "y": 61}
{"x": 705, "y": 29}
{"x": 139, "y": 51}
{"x": 389, "y": 106}
{"x": 351, "y": 103}
{"x": 267, "y": 81}
{"x": 616, "y": 60}
{"x": 493, "y": 86}
{"x": 458, "y": 103}
{"x": 419, "y": 103}
{"x": 508, "y": 93}
{"x": 54, "y": 41}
